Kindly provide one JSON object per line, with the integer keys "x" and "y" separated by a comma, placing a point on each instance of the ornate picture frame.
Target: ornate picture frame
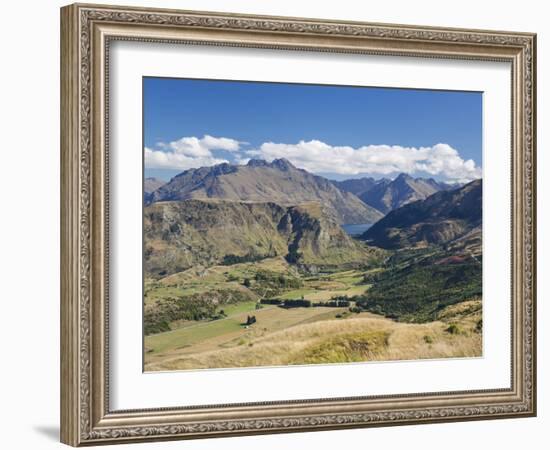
{"x": 87, "y": 32}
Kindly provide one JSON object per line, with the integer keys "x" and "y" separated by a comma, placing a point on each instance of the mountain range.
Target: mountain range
{"x": 359, "y": 186}
{"x": 236, "y": 213}
{"x": 281, "y": 182}
{"x": 261, "y": 181}
{"x": 441, "y": 218}
{"x": 386, "y": 195}
{"x": 150, "y": 185}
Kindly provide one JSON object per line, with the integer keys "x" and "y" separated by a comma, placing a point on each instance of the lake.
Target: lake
{"x": 355, "y": 229}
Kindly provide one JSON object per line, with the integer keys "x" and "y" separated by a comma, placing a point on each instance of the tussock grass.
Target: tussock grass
{"x": 356, "y": 347}
{"x": 356, "y": 339}
{"x": 461, "y": 310}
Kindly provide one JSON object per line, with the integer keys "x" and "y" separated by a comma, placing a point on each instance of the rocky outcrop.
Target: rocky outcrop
{"x": 183, "y": 234}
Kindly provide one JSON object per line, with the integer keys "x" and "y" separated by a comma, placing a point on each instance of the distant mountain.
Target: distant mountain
{"x": 452, "y": 217}
{"x": 387, "y": 195}
{"x": 260, "y": 181}
{"x": 357, "y": 186}
{"x": 152, "y": 184}
{"x": 149, "y": 186}
{"x": 184, "y": 234}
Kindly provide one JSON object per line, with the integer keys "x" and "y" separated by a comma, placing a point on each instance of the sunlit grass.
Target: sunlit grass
{"x": 363, "y": 337}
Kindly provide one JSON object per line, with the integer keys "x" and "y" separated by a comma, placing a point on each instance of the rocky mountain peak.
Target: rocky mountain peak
{"x": 257, "y": 163}
{"x": 282, "y": 164}
{"x": 403, "y": 177}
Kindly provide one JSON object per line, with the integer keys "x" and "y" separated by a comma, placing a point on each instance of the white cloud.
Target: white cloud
{"x": 316, "y": 156}
{"x": 188, "y": 152}
{"x": 157, "y": 159}
{"x": 231, "y": 145}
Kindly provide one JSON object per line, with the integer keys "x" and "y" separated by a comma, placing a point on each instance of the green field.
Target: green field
{"x": 172, "y": 300}
{"x": 186, "y": 336}
{"x": 193, "y": 294}
{"x": 230, "y": 331}
{"x": 320, "y": 295}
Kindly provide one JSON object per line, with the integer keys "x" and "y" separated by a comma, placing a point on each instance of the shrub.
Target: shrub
{"x": 293, "y": 255}
{"x": 250, "y": 320}
{"x": 271, "y": 301}
{"x": 479, "y": 326}
{"x": 297, "y": 303}
{"x": 229, "y": 260}
{"x": 428, "y": 339}
{"x": 453, "y": 329}
{"x": 156, "y": 327}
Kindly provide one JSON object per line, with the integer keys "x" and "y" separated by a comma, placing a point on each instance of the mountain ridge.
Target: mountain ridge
{"x": 358, "y": 186}
{"x": 150, "y": 185}
{"x": 441, "y": 218}
{"x": 182, "y": 234}
{"x": 387, "y": 196}
{"x": 277, "y": 181}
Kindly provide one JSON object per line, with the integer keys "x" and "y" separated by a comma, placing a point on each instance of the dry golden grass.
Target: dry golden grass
{"x": 328, "y": 294}
{"x": 361, "y": 338}
{"x": 314, "y": 209}
{"x": 468, "y": 309}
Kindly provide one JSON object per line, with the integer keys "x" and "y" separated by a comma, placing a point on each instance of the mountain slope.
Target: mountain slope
{"x": 387, "y": 195}
{"x": 183, "y": 234}
{"x": 259, "y": 181}
{"x": 441, "y": 218}
{"x": 151, "y": 184}
{"x": 357, "y": 186}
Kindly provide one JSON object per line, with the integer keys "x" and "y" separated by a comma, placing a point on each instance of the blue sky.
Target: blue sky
{"x": 340, "y": 132}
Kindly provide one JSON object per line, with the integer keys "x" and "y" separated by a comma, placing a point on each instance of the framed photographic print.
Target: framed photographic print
{"x": 277, "y": 224}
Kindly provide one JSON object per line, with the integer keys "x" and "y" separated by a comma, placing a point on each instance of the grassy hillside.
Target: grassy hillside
{"x": 303, "y": 338}
{"x": 199, "y": 318}
{"x": 213, "y": 293}
{"x": 192, "y": 233}
{"x": 417, "y": 284}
